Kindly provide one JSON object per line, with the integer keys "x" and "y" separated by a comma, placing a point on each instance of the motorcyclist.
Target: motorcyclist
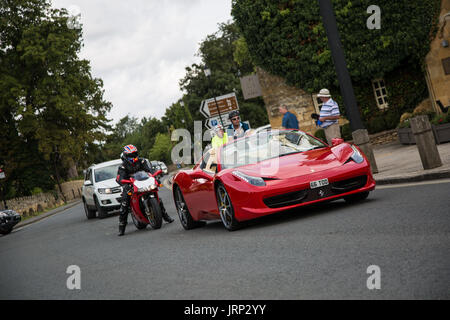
{"x": 131, "y": 163}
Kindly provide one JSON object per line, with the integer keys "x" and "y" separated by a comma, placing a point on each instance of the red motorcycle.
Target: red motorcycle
{"x": 144, "y": 202}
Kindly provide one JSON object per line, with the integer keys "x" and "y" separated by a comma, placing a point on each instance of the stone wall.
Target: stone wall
{"x": 27, "y": 206}
{"x": 276, "y": 92}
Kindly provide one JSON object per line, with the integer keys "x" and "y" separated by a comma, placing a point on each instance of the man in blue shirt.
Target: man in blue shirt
{"x": 329, "y": 116}
{"x": 289, "y": 119}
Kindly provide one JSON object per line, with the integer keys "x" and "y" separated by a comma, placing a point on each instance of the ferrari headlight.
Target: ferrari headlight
{"x": 356, "y": 156}
{"x": 256, "y": 181}
{"x": 105, "y": 190}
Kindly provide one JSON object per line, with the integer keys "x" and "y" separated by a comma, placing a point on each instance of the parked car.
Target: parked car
{"x": 101, "y": 193}
{"x": 269, "y": 172}
{"x": 163, "y": 167}
{"x": 158, "y": 165}
{"x": 8, "y": 219}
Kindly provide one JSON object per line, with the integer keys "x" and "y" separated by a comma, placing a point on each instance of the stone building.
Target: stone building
{"x": 438, "y": 62}
{"x": 275, "y": 91}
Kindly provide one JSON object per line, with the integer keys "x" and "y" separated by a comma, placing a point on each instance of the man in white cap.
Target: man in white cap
{"x": 329, "y": 115}
{"x": 220, "y": 138}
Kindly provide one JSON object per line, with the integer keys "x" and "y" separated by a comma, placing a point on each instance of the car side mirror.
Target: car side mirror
{"x": 199, "y": 174}
{"x": 336, "y": 141}
{"x": 87, "y": 183}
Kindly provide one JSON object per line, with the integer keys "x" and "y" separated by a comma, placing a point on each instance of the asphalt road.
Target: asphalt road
{"x": 321, "y": 252}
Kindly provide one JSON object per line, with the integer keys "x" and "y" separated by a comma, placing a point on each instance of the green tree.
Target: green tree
{"x": 161, "y": 149}
{"x": 48, "y": 97}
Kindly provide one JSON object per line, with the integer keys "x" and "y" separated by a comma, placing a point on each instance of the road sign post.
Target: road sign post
{"x": 216, "y": 109}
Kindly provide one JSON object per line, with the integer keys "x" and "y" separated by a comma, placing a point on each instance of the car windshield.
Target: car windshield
{"x": 267, "y": 145}
{"x": 141, "y": 176}
{"x": 106, "y": 173}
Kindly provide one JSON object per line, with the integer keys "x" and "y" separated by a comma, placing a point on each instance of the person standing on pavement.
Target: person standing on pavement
{"x": 236, "y": 128}
{"x": 289, "y": 119}
{"x": 329, "y": 116}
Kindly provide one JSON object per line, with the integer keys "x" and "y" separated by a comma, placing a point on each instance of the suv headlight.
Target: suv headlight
{"x": 104, "y": 190}
{"x": 256, "y": 181}
{"x": 356, "y": 156}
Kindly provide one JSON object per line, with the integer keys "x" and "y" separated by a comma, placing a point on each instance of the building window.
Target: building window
{"x": 379, "y": 90}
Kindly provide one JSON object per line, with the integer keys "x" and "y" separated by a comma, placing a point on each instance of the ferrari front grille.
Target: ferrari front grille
{"x": 287, "y": 199}
{"x": 349, "y": 184}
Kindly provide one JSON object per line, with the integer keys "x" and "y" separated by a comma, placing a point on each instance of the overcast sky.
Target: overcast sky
{"x": 140, "y": 48}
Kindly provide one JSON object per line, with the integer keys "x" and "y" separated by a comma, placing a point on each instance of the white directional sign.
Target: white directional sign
{"x": 210, "y": 109}
{"x": 225, "y": 104}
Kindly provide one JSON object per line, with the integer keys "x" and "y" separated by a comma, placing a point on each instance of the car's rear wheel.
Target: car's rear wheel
{"x": 357, "y": 197}
{"x": 90, "y": 214}
{"x": 183, "y": 212}
{"x": 226, "y": 209}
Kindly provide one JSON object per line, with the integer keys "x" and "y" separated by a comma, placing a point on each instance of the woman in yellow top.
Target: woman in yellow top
{"x": 220, "y": 138}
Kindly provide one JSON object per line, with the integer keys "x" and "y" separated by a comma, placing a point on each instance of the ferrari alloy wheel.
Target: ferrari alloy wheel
{"x": 226, "y": 209}
{"x": 183, "y": 212}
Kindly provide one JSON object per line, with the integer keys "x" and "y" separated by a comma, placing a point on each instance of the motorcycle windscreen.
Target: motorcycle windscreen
{"x": 141, "y": 176}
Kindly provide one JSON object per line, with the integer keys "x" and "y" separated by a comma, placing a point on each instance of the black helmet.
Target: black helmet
{"x": 233, "y": 114}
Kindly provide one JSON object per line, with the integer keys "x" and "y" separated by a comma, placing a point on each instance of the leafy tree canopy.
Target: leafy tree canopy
{"x": 48, "y": 99}
{"x": 287, "y": 37}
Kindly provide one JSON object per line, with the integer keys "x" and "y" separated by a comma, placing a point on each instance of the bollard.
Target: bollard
{"x": 362, "y": 140}
{"x": 426, "y": 144}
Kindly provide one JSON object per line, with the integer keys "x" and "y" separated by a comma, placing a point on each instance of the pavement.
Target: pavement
{"x": 398, "y": 163}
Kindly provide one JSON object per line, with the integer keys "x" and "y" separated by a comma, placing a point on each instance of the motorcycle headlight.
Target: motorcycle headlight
{"x": 256, "y": 181}
{"x": 356, "y": 156}
{"x": 104, "y": 190}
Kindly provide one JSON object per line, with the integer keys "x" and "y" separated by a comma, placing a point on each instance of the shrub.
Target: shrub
{"x": 441, "y": 118}
{"x": 320, "y": 134}
{"x": 36, "y": 190}
{"x": 346, "y": 132}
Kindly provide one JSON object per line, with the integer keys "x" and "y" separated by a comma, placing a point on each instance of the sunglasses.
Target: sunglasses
{"x": 236, "y": 118}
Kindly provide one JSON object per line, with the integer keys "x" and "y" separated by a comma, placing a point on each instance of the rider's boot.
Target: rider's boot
{"x": 165, "y": 216}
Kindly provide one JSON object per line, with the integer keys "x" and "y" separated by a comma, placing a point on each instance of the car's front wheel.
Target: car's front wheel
{"x": 102, "y": 213}
{"x": 183, "y": 212}
{"x": 90, "y": 214}
{"x": 226, "y": 209}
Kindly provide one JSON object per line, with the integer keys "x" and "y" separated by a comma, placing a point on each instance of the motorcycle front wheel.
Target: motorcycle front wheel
{"x": 154, "y": 213}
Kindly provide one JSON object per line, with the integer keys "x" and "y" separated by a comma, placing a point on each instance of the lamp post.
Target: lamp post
{"x": 359, "y": 133}
{"x": 207, "y": 72}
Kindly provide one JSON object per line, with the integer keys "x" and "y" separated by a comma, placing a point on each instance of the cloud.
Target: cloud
{"x": 140, "y": 48}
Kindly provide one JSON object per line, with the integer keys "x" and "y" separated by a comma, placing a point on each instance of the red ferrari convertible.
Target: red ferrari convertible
{"x": 269, "y": 172}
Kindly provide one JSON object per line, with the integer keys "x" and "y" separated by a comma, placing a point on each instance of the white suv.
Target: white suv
{"x": 101, "y": 193}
